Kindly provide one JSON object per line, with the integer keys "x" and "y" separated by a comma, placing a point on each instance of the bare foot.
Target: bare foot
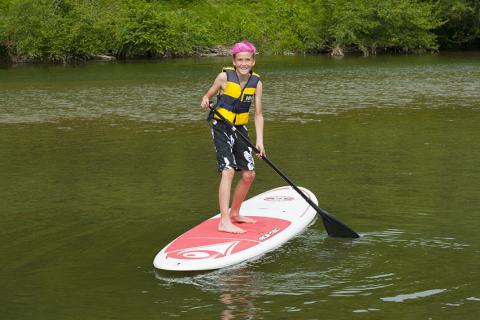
{"x": 242, "y": 219}
{"x": 227, "y": 226}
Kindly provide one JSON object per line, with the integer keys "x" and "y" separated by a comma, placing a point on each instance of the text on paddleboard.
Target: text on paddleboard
{"x": 268, "y": 234}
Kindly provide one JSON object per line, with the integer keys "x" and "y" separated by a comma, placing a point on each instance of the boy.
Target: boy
{"x": 237, "y": 88}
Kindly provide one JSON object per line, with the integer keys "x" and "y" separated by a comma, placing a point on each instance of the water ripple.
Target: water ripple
{"x": 332, "y": 267}
{"x": 414, "y": 295}
{"x": 302, "y": 95}
{"x": 399, "y": 238}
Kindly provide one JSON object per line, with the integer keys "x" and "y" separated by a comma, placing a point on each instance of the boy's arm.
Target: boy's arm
{"x": 259, "y": 119}
{"x": 218, "y": 84}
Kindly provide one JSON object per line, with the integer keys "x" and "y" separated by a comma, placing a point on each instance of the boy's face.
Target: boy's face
{"x": 244, "y": 62}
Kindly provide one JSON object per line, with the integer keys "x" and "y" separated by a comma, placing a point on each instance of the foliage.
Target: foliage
{"x": 287, "y": 25}
{"x": 462, "y": 27}
{"x": 61, "y": 29}
{"x": 65, "y": 30}
{"x": 368, "y": 25}
{"x": 4, "y": 6}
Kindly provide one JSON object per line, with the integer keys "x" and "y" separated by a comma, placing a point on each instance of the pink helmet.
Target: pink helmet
{"x": 243, "y": 46}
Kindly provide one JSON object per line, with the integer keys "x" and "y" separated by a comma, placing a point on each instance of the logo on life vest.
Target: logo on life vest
{"x": 247, "y": 98}
{"x": 268, "y": 234}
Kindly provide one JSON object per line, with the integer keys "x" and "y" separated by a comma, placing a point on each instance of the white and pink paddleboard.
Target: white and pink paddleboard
{"x": 281, "y": 214}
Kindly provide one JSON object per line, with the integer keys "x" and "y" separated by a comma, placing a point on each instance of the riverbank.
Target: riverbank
{"x": 217, "y": 51}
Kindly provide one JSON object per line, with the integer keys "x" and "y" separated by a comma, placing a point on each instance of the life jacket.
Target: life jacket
{"x": 234, "y": 103}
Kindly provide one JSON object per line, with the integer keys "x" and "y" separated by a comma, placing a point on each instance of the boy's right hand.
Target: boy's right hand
{"x": 205, "y": 103}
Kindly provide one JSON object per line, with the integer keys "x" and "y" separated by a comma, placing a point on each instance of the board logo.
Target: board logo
{"x": 213, "y": 251}
{"x": 279, "y": 198}
{"x": 268, "y": 234}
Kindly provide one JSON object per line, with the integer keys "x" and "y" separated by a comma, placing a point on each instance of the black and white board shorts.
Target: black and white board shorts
{"x": 232, "y": 151}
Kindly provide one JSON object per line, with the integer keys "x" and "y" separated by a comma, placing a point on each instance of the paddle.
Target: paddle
{"x": 334, "y": 227}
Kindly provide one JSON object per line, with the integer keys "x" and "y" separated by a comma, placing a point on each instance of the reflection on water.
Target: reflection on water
{"x": 237, "y": 307}
{"x": 169, "y": 92}
{"x": 415, "y": 295}
{"x": 138, "y": 102}
{"x": 360, "y": 290}
{"x": 396, "y": 238}
{"x": 335, "y": 269}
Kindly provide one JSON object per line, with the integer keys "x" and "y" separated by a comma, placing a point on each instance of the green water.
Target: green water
{"x": 101, "y": 165}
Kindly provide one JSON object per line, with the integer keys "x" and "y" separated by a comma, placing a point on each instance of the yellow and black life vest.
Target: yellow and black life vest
{"x": 234, "y": 103}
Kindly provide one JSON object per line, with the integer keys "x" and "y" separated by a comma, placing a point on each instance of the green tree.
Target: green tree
{"x": 63, "y": 29}
{"x": 154, "y": 29}
{"x": 287, "y": 26}
{"x": 66, "y": 30}
{"x": 462, "y": 23}
{"x": 4, "y": 8}
{"x": 368, "y": 25}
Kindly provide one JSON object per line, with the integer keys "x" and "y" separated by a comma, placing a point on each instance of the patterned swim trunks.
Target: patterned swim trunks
{"x": 232, "y": 151}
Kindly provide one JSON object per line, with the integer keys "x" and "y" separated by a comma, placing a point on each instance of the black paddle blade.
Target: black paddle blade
{"x": 336, "y": 228}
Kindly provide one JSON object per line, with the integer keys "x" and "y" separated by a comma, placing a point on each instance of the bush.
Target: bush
{"x": 64, "y": 30}
{"x": 368, "y": 25}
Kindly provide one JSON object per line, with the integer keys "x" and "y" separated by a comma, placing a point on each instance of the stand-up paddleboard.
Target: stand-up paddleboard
{"x": 281, "y": 214}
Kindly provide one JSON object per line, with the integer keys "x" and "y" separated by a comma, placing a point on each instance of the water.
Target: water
{"x": 101, "y": 165}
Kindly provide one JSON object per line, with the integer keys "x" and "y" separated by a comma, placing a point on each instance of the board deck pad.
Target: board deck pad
{"x": 280, "y": 215}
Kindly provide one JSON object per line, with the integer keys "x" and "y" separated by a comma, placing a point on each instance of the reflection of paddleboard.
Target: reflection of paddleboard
{"x": 281, "y": 214}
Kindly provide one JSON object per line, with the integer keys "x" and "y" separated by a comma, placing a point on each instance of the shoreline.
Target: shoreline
{"x": 220, "y": 51}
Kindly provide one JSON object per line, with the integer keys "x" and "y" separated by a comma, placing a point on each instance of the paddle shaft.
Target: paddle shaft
{"x": 264, "y": 158}
{"x": 345, "y": 231}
